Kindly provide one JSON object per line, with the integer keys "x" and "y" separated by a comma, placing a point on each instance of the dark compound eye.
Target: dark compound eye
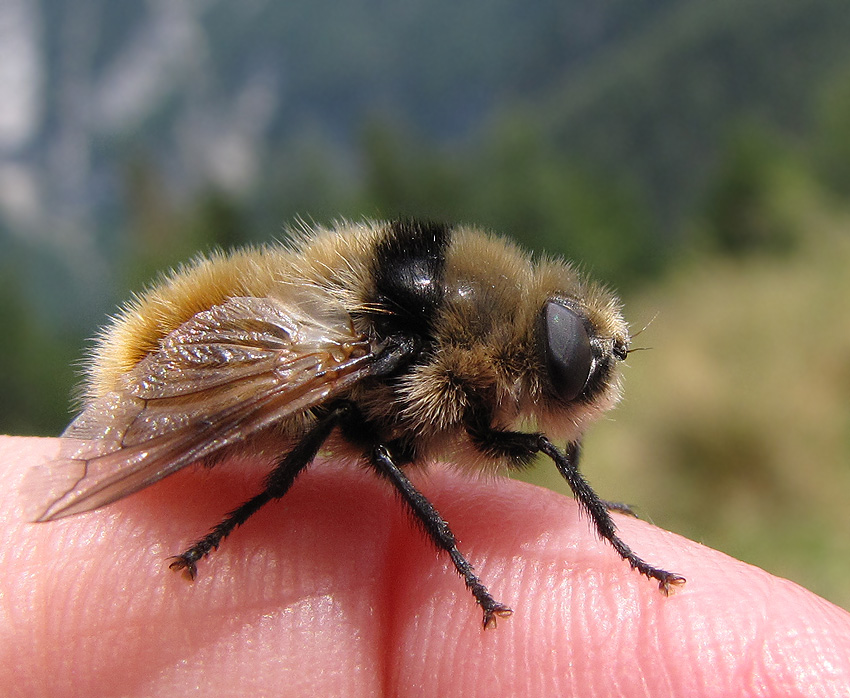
{"x": 567, "y": 350}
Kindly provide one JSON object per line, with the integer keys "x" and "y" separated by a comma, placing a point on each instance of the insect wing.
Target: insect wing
{"x": 225, "y": 374}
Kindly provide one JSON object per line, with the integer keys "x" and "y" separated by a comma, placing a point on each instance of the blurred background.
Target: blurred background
{"x": 695, "y": 156}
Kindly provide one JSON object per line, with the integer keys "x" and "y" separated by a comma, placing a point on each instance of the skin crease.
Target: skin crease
{"x": 332, "y": 591}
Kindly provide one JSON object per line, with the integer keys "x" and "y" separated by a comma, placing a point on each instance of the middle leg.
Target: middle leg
{"x": 439, "y": 532}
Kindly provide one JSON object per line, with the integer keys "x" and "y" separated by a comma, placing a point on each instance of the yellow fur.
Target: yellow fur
{"x": 140, "y": 326}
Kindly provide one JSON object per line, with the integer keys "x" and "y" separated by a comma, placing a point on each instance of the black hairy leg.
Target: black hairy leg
{"x": 386, "y": 460}
{"x": 277, "y": 484}
{"x": 439, "y": 532}
{"x": 521, "y": 448}
{"x": 567, "y": 464}
{"x": 518, "y": 447}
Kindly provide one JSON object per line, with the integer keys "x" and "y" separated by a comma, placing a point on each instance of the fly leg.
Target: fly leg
{"x": 439, "y": 532}
{"x": 567, "y": 464}
{"x": 277, "y": 485}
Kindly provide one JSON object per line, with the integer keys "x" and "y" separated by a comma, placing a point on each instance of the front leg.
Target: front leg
{"x": 516, "y": 447}
{"x": 520, "y": 448}
{"x": 567, "y": 464}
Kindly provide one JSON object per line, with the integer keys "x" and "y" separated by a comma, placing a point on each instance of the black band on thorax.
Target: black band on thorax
{"x": 409, "y": 272}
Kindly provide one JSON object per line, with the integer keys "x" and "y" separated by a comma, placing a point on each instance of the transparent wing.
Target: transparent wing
{"x": 225, "y": 374}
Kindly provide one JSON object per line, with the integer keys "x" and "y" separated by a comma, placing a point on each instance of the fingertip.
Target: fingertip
{"x": 583, "y": 617}
{"x": 338, "y": 574}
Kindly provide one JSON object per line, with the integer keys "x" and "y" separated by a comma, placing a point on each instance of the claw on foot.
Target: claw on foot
{"x": 669, "y": 581}
{"x": 620, "y": 508}
{"x": 181, "y": 562}
{"x": 496, "y": 611}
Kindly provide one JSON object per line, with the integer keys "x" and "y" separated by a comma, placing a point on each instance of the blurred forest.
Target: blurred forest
{"x": 694, "y": 156}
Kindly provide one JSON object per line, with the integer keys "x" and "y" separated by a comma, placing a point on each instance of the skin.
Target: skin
{"x": 332, "y": 591}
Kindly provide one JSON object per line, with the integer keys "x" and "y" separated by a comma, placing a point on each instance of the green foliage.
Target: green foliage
{"x": 741, "y": 212}
{"x": 658, "y": 105}
{"x": 514, "y": 183}
{"x": 36, "y": 361}
{"x": 831, "y": 150}
{"x": 554, "y": 203}
{"x": 162, "y": 232}
{"x": 408, "y": 177}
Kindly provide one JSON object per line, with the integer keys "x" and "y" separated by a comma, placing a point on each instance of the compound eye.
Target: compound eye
{"x": 567, "y": 349}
